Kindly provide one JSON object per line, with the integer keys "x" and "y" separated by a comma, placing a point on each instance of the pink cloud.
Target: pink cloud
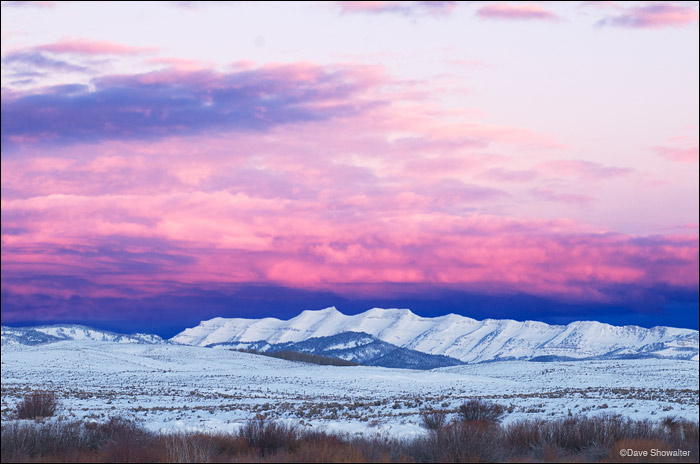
{"x": 277, "y": 209}
{"x": 387, "y": 194}
{"x": 231, "y": 238}
{"x": 432, "y": 8}
{"x": 89, "y": 47}
{"x": 517, "y": 11}
{"x": 653, "y": 15}
{"x": 36, "y": 4}
{"x": 686, "y": 154}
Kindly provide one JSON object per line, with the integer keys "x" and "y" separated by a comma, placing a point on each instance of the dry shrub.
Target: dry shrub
{"x": 577, "y": 439}
{"x": 595, "y": 438}
{"x": 682, "y": 434}
{"x": 37, "y": 404}
{"x": 180, "y": 447}
{"x": 267, "y": 436}
{"x": 379, "y": 448}
{"x": 321, "y": 448}
{"x": 477, "y": 409}
{"x": 433, "y": 419}
{"x": 473, "y": 441}
{"x": 579, "y": 433}
{"x": 22, "y": 441}
{"x": 224, "y": 444}
{"x": 125, "y": 440}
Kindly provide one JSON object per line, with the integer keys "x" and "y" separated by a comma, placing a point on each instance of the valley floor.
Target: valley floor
{"x": 173, "y": 388}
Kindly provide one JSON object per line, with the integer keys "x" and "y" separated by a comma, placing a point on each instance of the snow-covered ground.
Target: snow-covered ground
{"x": 172, "y": 387}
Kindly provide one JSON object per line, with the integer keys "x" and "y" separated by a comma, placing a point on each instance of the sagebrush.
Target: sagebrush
{"x": 575, "y": 439}
{"x": 37, "y": 404}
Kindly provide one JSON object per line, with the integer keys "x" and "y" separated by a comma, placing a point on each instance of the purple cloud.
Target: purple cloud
{"x": 683, "y": 154}
{"x": 29, "y": 60}
{"x": 516, "y": 11}
{"x": 90, "y": 47}
{"x": 35, "y": 4}
{"x": 652, "y": 15}
{"x": 166, "y": 103}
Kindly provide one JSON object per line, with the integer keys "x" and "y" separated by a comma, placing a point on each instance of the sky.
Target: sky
{"x": 165, "y": 163}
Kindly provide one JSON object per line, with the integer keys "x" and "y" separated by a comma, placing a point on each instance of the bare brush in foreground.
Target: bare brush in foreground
{"x": 433, "y": 419}
{"x": 37, "y": 404}
{"x": 574, "y": 439}
{"x": 480, "y": 410}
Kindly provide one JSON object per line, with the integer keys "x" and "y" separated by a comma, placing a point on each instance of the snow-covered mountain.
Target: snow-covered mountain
{"x": 358, "y": 347}
{"x": 459, "y": 337}
{"x": 55, "y": 333}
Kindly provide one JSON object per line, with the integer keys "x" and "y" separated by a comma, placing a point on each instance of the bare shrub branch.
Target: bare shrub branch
{"x": 480, "y": 410}
{"x": 37, "y": 404}
{"x": 433, "y": 419}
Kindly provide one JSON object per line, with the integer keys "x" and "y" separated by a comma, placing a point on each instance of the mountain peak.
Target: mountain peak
{"x": 328, "y": 310}
{"x": 389, "y": 312}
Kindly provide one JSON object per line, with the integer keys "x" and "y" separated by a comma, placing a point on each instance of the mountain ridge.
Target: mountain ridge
{"x": 452, "y": 336}
{"x": 463, "y": 338}
{"x": 40, "y": 334}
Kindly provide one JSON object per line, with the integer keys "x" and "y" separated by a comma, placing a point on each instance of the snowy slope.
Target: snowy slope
{"x": 53, "y": 333}
{"x": 456, "y": 336}
{"x": 179, "y": 388}
{"x": 358, "y": 347}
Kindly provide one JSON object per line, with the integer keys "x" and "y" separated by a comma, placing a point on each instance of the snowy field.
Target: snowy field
{"x": 173, "y": 387}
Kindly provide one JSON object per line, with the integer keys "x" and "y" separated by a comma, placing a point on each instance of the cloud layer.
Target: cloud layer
{"x": 285, "y": 175}
{"x": 390, "y": 152}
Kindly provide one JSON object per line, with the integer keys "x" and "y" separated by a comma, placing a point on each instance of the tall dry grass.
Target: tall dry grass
{"x": 574, "y": 439}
